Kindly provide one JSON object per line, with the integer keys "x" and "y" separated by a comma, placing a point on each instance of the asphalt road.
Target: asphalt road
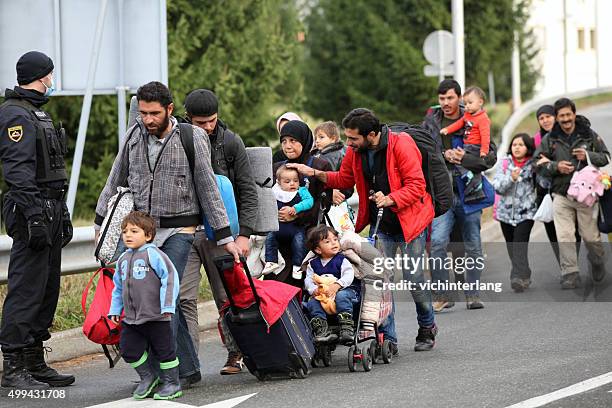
{"x": 520, "y": 347}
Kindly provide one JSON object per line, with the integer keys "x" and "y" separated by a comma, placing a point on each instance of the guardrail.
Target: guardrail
{"x": 77, "y": 256}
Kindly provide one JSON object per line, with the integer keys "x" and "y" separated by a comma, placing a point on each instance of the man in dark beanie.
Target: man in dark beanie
{"x": 229, "y": 158}
{"x": 36, "y": 217}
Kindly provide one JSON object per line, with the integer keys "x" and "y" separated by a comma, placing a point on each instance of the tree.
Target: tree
{"x": 369, "y": 53}
{"x": 245, "y": 51}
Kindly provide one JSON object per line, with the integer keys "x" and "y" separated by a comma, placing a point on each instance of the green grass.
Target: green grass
{"x": 69, "y": 313}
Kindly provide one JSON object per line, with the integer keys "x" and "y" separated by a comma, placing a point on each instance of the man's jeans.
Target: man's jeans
{"x": 440, "y": 236}
{"x": 177, "y": 248}
{"x": 422, "y": 298}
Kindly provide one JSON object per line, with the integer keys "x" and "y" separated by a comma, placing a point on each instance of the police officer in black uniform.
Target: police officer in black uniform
{"x": 37, "y": 218}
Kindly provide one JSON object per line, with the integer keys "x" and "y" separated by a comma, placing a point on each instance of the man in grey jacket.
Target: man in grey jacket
{"x": 229, "y": 158}
{"x": 153, "y": 165}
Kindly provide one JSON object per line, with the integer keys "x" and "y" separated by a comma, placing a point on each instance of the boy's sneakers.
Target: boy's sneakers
{"x": 347, "y": 331}
{"x": 426, "y": 338}
{"x": 570, "y": 281}
{"x": 269, "y": 268}
{"x": 321, "y": 330}
{"x": 233, "y": 365}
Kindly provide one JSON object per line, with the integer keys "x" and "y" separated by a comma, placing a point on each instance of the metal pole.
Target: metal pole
{"x": 57, "y": 61}
{"x": 440, "y": 56}
{"x": 458, "y": 34}
{"x": 597, "y": 54}
{"x": 491, "y": 80}
{"x": 121, "y": 89}
{"x": 84, "y": 121}
{"x": 163, "y": 41}
{"x": 565, "y": 46}
{"x": 516, "y": 73}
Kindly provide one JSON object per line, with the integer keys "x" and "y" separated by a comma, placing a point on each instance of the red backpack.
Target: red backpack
{"x": 97, "y": 326}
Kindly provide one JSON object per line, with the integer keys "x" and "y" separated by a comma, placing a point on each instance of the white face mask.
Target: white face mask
{"x": 49, "y": 89}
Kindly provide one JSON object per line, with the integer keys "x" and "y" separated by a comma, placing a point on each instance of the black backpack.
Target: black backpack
{"x": 437, "y": 177}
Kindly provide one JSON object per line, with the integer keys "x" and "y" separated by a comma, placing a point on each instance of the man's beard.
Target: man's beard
{"x": 159, "y": 130}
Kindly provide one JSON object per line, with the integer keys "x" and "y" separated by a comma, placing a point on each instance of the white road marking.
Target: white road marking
{"x": 150, "y": 403}
{"x": 229, "y": 403}
{"x": 578, "y": 388}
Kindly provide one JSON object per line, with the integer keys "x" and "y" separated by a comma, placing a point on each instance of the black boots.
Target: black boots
{"x": 347, "y": 331}
{"x": 16, "y": 376}
{"x": 321, "y": 330}
{"x": 34, "y": 362}
{"x": 171, "y": 386}
{"x": 148, "y": 377}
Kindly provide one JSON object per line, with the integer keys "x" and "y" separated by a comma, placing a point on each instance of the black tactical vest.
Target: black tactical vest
{"x": 50, "y": 144}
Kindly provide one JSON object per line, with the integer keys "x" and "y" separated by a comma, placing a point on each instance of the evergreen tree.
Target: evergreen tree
{"x": 369, "y": 53}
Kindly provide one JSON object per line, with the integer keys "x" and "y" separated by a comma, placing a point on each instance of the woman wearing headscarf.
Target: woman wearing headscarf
{"x": 280, "y": 122}
{"x": 545, "y": 116}
{"x": 296, "y": 142}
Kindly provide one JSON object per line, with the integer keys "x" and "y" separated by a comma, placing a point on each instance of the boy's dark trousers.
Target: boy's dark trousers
{"x": 137, "y": 338}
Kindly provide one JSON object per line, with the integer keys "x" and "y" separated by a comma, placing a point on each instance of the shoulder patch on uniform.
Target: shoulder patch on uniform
{"x": 41, "y": 115}
{"x": 15, "y": 133}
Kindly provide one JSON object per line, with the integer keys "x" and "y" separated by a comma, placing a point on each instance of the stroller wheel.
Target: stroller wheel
{"x": 374, "y": 351}
{"x": 352, "y": 359}
{"x": 367, "y": 359}
{"x": 387, "y": 355}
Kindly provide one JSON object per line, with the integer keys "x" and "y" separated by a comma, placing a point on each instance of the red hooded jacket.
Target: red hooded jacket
{"x": 414, "y": 207}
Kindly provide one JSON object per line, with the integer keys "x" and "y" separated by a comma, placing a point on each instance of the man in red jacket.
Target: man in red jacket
{"x": 386, "y": 169}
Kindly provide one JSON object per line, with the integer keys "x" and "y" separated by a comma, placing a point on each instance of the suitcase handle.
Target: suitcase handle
{"x": 225, "y": 262}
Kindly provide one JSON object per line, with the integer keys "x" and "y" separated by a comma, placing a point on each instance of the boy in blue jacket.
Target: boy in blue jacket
{"x": 146, "y": 288}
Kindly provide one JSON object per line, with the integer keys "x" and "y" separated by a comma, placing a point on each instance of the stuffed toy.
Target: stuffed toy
{"x": 327, "y": 303}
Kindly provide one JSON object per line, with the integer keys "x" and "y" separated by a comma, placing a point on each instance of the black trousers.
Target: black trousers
{"x": 517, "y": 244}
{"x": 137, "y": 338}
{"x": 33, "y": 279}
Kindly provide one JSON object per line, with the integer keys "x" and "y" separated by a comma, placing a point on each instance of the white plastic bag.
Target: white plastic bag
{"x": 545, "y": 212}
{"x": 257, "y": 257}
{"x": 340, "y": 218}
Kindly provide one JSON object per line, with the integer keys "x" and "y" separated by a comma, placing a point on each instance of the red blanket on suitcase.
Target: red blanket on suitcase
{"x": 274, "y": 296}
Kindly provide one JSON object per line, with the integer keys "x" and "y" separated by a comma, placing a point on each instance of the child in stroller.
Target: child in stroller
{"x": 329, "y": 262}
{"x": 369, "y": 310}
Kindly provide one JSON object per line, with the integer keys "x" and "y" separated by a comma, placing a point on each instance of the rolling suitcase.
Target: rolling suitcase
{"x": 282, "y": 350}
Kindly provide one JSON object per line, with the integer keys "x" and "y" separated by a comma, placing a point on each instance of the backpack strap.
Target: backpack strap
{"x": 228, "y": 143}
{"x": 186, "y": 135}
{"x": 86, "y": 291}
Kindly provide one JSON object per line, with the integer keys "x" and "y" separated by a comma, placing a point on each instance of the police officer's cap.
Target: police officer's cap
{"x": 201, "y": 102}
{"x": 33, "y": 65}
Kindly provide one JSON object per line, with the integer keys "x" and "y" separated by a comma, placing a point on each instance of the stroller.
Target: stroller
{"x": 374, "y": 307}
